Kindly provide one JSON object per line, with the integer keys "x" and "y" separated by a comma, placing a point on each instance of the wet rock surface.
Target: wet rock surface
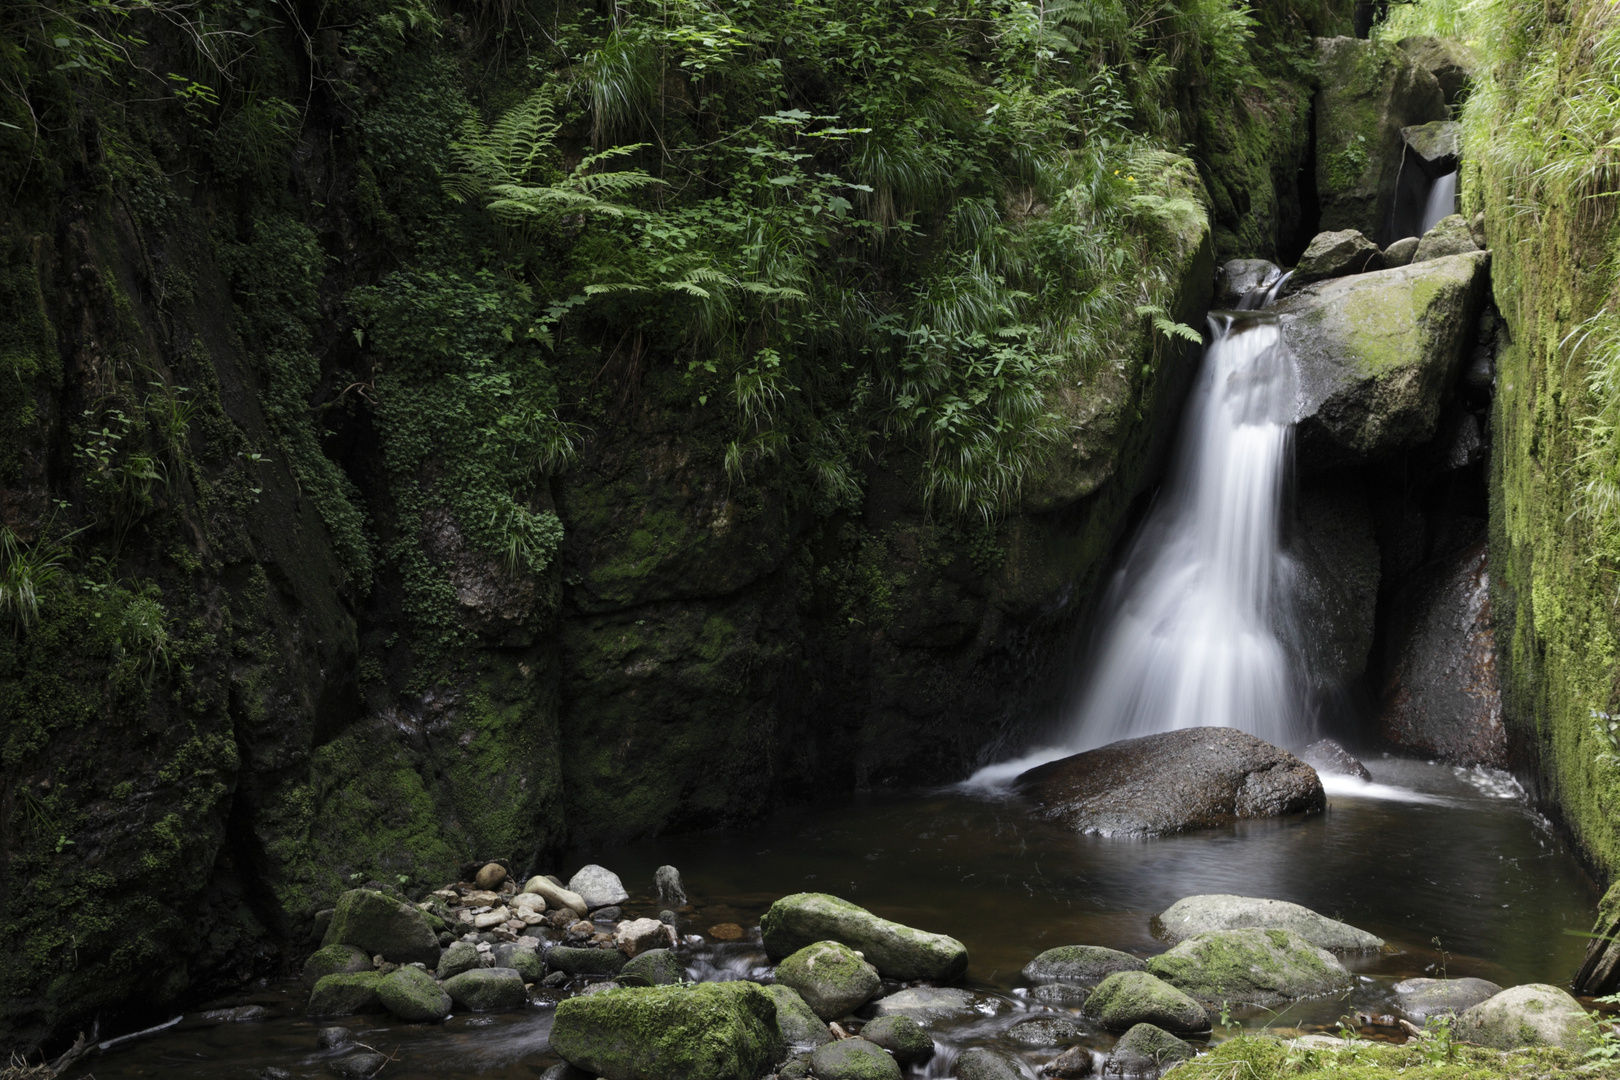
{"x": 1194, "y": 915}
{"x": 726, "y": 1031}
{"x": 901, "y": 1036}
{"x": 896, "y": 951}
{"x": 1250, "y": 966}
{"x": 1436, "y": 147}
{"x": 1336, "y": 254}
{"x": 1079, "y": 963}
{"x": 853, "y": 1059}
{"x": 799, "y": 1024}
{"x": 487, "y": 989}
{"x": 831, "y": 978}
{"x": 982, "y": 1063}
{"x": 1423, "y": 998}
{"x": 1180, "y": 780}
{"x": 1328, "y": 757}
{"x": 1239, "y": 277}
{"x": 1147, "y": 1051}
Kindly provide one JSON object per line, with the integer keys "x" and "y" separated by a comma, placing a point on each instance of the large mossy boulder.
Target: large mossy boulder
{"x": 831, "y": 978}
{"x": 345, "y": 995}
{"x": 896, "y": 951}
{"x": 1146, "y": 1050}
{"x": 1534, "y": 1014}
{"x": 334, "y": 960}
{"x": 1250, "y": 967}
{"x": 1179, "y": 780}
{"x": 1377, "y": 354}
{"x": 412, "y": 994}
{"x": 853, "y": 1059}
{"x": 1078, "y": 963}
{"x": 1450, "y": 62}
{"x": 1194, "y": 915}
{"x": 487, "y": 989}
{"x": 901, "y": 1036}
{"x": 1128, "y": 998}
{"x": 718, "y": 1031}
{"x": 1370, "y": 91}
{"x": 383, "y": 926}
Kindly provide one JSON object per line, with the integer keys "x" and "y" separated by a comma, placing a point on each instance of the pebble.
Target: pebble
{"x": 726, "y": 931}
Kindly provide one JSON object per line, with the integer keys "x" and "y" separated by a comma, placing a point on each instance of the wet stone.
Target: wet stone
{"x": 1044, "y": 1031}
{"x": 359, "y": 1065}
{"x": 982, "y": 1063}
{"x": 607, "y": 914}
{"x": 853, "y": 1059}
{"x": 577, "y": 961}
{"x": 333, "y": 1038}
{"x": 487, "y": 989}
{"x": 799, "y": 1024}
{"x": 334, "y": 960}
{"x": 928, "y": 1004}
{"x": 1327, "y": 756}
{"x": 1078, "y": 963}
{"x": 490, "y": 876}
{"x": 1059, "y": 995}
{"x": 901, "y": 1036}
{"x": 1128, "y": 998}
{"x": 1074, "y": 1062}
{"x": 1420, "y": 999}
{"x": 832, "y": 978}
{"x": 459, "y": 957}
{"x": 671, "y": 890}
{"x": 1147, "y": 1051}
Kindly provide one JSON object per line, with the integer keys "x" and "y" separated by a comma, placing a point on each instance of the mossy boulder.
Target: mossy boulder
{"x": 345, "y": 995}
{"x": 1194, "y": 915}
{"x": 383, "y": 926}
{"x": 411, "y": 994}
{"x": 1079, "y": 963}
{"x": 798, "y": 1023}
{"x": 719, "y": 1031}
{"x": 526, "y": 962}
{"x": 460, "y": 956}
{"x": 1420, "y": 999}
{"x": 577, "y": 961}
{"x": 831, "y": 978}
{"x": 1336, "y": 254}
{"x": 1534, "y": 1014}
{"x": 655, "y": 967}
{"x": 1043, "y": 1031}
{"x": 896, "y": 951}
{"x": 1128, "y": 998}
{"x": 1146, "y": 1050}
{"x": 983, "y": 1063}
{"x": 334, "y": 960}
{"x": 1451, "y": 235}
{"x": 901, "y": 1036}
{"x": 487, "y": 989}
{"x": 1250, "y": 966}
{"x": 853, "y": 1059}
{"x": 1377, "y": 355}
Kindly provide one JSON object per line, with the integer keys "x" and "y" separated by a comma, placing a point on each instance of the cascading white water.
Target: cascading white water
{"x": 1442, "y": 201}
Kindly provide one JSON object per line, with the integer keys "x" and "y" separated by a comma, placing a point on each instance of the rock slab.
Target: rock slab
{"x": 719, "y": 1031}
{"x": 897, "y": 951}
{"x": 1194, "y": 915}
{"x": 1180, "y": 780}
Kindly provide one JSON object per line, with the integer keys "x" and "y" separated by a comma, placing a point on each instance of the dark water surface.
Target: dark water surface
{"x": 1427, "y": 852}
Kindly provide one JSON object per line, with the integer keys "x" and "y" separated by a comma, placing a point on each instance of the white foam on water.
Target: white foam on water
{"x": 1492, "y": 783}
{"x": 1340, "y": 786}
{"x": 996, "y": 777}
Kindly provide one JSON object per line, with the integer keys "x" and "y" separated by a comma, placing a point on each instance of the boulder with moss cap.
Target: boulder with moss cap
{"x": 897, "y": 951}
{"x": 383, "y": 926}
{"x": 718, "y": 1031}
{"x": 1194, "y": 915}
{"x": 831, "y": 978}
{"x": 1251, "y": 967}
{"x": 1128, "y": 998}
{"x": 1534, "y": 1014}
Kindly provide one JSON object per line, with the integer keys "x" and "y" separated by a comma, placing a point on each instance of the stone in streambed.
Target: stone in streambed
{"x": 1531, "y": 1015}
{"x": 360, "y": 1065}
{"x": 1168, "y": 783}
{"x": 556, "y": 896}
{"x": 1401, "y": 251}
{"x": 577, "y": 961}
{"x": 490, "y": 876}
{"x": 718, "y": 1031}
{"x": 345, "y": 995}
{"x": 1451, "y": 235}
{"x": 831, "y": 978}
{"x": 853, "y": 1059}
{"x": 982, "y": 1063}
{"x": 598, "y": 886}
{"x": 1078, "y": 963}
{"x": 1044, "y": 1031}
{"x": 1128, "y": 998}
{"x": 1073, "y": 1063}
{"x": 334, "y": 960}
{"x": 655, "y": 967}
{"x": 1194, "y": 915}
{"x": 901, "y": 1036}
{"x": 459, "y": 957}
{"x": 1329, "y": 758}
{"x": 1336, "y": 254}
{"x": 333, "y": 1038}
{"x": 411, "y": 994}
{"x": 1239, "y": 277}
{"x": 671, "y": 890}
{"x": 487, "y": 989}
{"x": 799, "y": 1024}
{"x": 383, "y": 926}
{"x": 897, "y": 951}
{"x": 929, "y": 1004}
{"x": 1251, "y": 967}
{"x": 636, "y": 936}
{"x": 526, "y": 962}
{"x": 1146, "y": 1050}
{"x": 1420, "y": 999}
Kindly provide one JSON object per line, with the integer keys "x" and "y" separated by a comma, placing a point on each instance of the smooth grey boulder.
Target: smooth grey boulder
{"x": 1044, "y": 1031}
{"x": 1329, "y": 758}
{"x": 718, "y": 1031}
{"x": 383, "y": 926}
{"x": 1451, "y": 235}
{"x": 459, "y": 957}
{"x": 1435, "y": 147}
{"x": 927, "y": 1004}
{"x": 1534, "y": 1014}
{"x": 901, "y": 1036}
{"x": 334, "y": 960}
{"x": 1189, "y": 779}
{"x": 411, "y": 994}
{"x": 1369, "y": 93}
{"x": 556, "y": 896}
{"x": 345, "y": 994}
{"x": 799, "y": 1024}
{"x": 983, "y": 1063}
{"x": 577, "y": 961}
{"x": 1238, "y": 278}
{"x": 1250, "y": 967}
{"x": 656, "y": 967}
{"x": 1078, "y": 963}
{"x": 1194, "y": 915}
{"x": 1441, "y": 694}
{"x": 1336, "y": 254}
{"x": 897, "y": 951}
{"x": 1401, "y": 251}
{"x": 831, "y": 978}
{"x": 487, "y": 989}
{"x": 853, "y": 1059}
{"x": 671, "y": 890}
{"x": 1377, "y": 355}
{"x": 1128, "y": 998}
{"x": 598, "y": 886}
{"x": 1420, "y": 999}
{"x": 1146, "y": 1050}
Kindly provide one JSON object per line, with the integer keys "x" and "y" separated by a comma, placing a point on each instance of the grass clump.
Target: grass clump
{"x": 1262, "y": 1057}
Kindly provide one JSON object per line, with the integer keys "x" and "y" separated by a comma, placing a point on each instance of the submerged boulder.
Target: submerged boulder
{"x": 1128, "y": 998}
{"x": 1336, "y": 254}
{"x": 831, "y": 978}
{"x": 1194, "y": 915}
{"x": 1377, "y": 354}
{"x": 719, "y": 1031}
{"x": 1079, "y": 963}
{"x": 1251, "y": 967}
{"x": 383, "y": 926}
{"x": 1534, "y": 1014}
{"x": 897, "y": 951}
{"x": 1167, "y": 783}
{"x": 1420, "y": 999}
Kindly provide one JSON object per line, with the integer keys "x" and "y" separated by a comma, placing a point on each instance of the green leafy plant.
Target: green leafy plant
{"x": 1607, "y": 1046}
{"x": 27, "y": 571}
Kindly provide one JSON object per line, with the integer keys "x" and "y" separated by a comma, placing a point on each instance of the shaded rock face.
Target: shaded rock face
{"x": 1377, "y": 354}
{"x": 1442, "y": 695}
{"x": 1400, "y": 252}
{"x": 1450, "y": 62}
{"x": 1329, "y": 758}
{"x": 1435, "y": 148}
{"x": 1173, "y": 782}
{"x": 1370, "y": 91}
{"x": 1239, "y": 277}
{"x": 1337, "y": 569}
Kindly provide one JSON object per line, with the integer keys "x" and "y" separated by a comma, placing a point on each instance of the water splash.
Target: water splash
{"x": 1442, "y": 202}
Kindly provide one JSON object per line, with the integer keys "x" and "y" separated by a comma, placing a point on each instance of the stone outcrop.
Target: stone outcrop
{"x": 1180, "y": 780}
{"x": 1435, "y": 147}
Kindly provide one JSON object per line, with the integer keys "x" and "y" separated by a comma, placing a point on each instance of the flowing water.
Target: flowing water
{"x": 1442, "y": 202}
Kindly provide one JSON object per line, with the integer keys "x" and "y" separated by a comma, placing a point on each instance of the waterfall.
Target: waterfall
{"x": 1442, "y": 201}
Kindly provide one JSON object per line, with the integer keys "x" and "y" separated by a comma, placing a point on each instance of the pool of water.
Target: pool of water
{"x": 1451, "y": 866}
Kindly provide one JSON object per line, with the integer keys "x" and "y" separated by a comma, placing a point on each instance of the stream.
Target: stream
{"x": 1426, "y": 851}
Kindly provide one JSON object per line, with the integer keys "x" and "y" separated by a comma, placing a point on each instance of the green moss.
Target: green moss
{"x": 726, "y": 1031}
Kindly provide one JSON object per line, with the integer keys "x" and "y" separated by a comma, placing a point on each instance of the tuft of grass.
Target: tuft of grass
{"x": 27, "y": 571}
